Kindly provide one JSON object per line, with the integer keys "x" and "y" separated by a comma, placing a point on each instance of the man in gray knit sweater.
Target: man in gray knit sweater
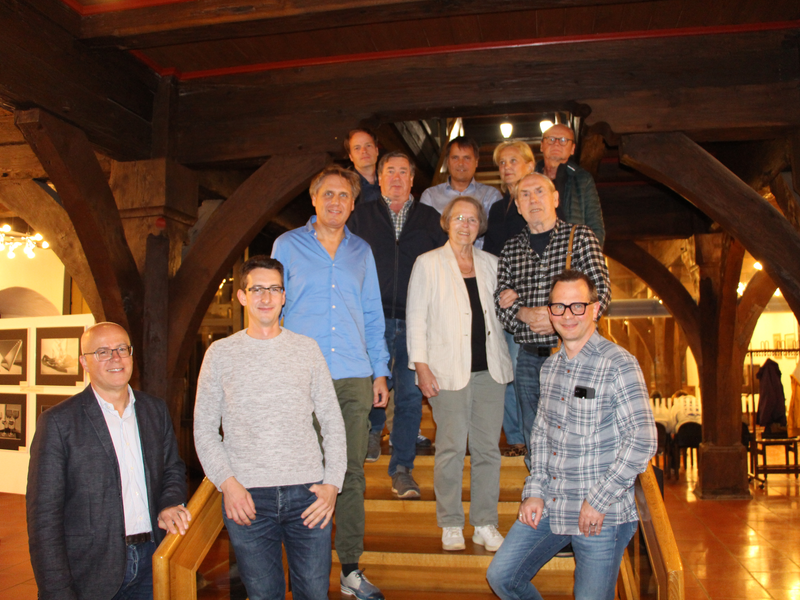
{"x": 263, "y": 384}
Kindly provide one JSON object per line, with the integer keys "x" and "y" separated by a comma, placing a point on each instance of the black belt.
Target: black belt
{"x": 137, "y": 538}
{"x": 537, "y": 350}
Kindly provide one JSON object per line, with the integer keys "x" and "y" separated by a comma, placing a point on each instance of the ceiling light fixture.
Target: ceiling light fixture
{"x": 10, "y": 240}
{"x": 545, "y": 125}
{"x": 506, "y": 129}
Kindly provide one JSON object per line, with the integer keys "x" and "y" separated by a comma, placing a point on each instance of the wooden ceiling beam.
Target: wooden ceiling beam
{"x": 639, "y": 85}
{"x": 108, "y": 94}
{"x": 39, "y": 208}
{"x": 223, "y": 239}
{"x": 679, "y": 163}
{"x": 86, "y": 196}
{"x": 204, "y": 20}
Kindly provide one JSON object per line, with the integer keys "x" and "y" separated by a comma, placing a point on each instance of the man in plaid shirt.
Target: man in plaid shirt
{"x": 527, "y": 266}
{"x": 594, "y": 433}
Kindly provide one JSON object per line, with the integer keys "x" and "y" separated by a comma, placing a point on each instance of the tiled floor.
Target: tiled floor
{"x": 738, "y": 548}
{"x": 731, "y": 549}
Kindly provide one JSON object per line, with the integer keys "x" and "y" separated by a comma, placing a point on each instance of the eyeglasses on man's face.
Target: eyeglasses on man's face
{"x": 557, "y": 309}
{"x": 562, "y": 141}
{"x": 259, "y": 290}
{"x": 105, "y": 354}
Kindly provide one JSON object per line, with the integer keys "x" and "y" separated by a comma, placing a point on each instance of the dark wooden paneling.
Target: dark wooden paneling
{"x": 185, "y": 22}
{"x": 109, "y": 94}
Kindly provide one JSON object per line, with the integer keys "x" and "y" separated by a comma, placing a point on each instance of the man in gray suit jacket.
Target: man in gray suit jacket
{"x": 104, "y": 479}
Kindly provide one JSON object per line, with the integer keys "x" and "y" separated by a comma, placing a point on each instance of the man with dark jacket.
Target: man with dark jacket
{"x": 578, "y": 202}
{"x": 399, "y": 229}
{"x": 105, "y": 478}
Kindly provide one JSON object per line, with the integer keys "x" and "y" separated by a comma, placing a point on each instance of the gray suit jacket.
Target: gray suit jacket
{"x": 76, "y": 525}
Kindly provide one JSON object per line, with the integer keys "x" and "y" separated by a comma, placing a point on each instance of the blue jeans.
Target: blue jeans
{"x": 526, "y": 381}
{"x": 407, "y": 400}
{"x": 512, "y": 414}
{"x": 258, "y": 545}
{"x": 526, "y": 550}
{"x": 138, "y": 581}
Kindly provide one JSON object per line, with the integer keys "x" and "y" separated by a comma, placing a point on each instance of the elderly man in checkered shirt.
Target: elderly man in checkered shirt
{"x": 527, "y": 266}
{"x": 593, "y": 435}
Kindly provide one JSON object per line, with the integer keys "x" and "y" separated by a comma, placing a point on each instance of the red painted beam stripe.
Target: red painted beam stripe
{"x": 416, "y": 52}
{"x": 98, "y": 9}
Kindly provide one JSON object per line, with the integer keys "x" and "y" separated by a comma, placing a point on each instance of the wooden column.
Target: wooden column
{"x": 154, "y": 196}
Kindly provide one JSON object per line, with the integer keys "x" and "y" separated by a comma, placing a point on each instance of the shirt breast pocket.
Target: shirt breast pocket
{"x": 583, "y": 416}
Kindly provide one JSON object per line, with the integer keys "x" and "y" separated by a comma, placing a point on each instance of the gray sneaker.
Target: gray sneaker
{"x": 356, "y": 584}
{"x": 403, "y": 484}
{"x": 373, "y": 447}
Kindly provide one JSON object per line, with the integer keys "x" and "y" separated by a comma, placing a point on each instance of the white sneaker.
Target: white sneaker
{"x": 488, "y": 537}
{"x": 453, "y": 538}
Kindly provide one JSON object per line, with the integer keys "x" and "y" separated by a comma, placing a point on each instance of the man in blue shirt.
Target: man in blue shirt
{"x": 333, "y": 296}
{"x": 462, "y": 161}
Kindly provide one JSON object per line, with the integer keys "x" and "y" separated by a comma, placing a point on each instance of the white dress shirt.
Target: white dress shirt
{"x": 125, "y": 435}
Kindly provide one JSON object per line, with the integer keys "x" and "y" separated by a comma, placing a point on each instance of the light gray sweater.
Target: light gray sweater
{"x": 264, "y": 392}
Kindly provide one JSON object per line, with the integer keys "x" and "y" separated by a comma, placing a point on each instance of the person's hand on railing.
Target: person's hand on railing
{"x": 590, "y": 521}
{"x": 239, "y": 504}
{"x": 530, "y": 511}
{"x": 175, "y": 519}
{"x": 322, "y": 508}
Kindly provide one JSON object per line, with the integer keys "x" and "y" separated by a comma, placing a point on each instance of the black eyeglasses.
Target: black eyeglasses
{"x": 105, "y": 354}
{"x": 260, "y": 290}
{"x": 562, "y": 141}
{"x": 557, "y": 309}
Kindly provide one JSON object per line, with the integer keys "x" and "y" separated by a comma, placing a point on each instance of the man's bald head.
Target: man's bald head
{"x": 91, "y": 335}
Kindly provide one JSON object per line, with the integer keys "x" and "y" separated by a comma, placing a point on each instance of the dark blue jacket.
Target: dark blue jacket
{"x": 395, "y": 259}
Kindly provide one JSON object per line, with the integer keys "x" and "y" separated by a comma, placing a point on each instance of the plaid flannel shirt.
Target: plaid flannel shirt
{"x": 590, "y": 448}
{"x": 398, "y": 218}
{"x": 530, "y": 275}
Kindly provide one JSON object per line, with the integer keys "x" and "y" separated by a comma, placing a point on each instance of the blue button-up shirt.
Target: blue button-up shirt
{"x": 335, "y": 301}
{"x": 440, "y": 196}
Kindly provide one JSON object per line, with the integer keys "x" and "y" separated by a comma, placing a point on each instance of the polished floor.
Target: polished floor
{"x": 731, "y": 548}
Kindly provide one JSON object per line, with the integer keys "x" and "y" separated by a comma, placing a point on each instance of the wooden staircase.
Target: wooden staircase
{"x": 403, "y": 550}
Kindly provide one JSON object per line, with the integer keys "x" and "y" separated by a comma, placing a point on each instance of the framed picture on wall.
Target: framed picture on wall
{"x": 13, "y": 356}
{"x": 45, "y": 401}
{"x": 12, "y": 421}
{"x": 57, "y": 352}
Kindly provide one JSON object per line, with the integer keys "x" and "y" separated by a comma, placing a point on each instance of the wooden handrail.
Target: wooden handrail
{"x": 177, "y": 558}
{"x": 659, "y": 539}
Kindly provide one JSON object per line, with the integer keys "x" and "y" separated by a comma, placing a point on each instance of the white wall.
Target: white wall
{"x": 44, "y": 273}
{"x": 14, "y": 463}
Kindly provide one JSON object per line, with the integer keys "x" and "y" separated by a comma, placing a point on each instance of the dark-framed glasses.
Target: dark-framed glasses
{"x": 562, "y": 141}
{"x": 557, "y": 309}
{"x": 104, "y": 354}
{"x": 259, "y": 290}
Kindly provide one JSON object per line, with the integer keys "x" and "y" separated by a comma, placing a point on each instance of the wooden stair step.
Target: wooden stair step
{"x": 418, "y": 517}
{"x": 379, "y": 484}
{"x": 424, "y": 595}
{"x": 448, "y": 572}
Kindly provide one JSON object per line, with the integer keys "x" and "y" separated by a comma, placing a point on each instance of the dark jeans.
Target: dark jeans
{"x": 526, "y": 382}
{"x": 407, "y": 400}
{"x": 258, "y": 545}
{"x": 138, "y": 581}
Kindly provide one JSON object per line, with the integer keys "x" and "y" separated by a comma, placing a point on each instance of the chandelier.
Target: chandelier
{"x": 11, "y": 240}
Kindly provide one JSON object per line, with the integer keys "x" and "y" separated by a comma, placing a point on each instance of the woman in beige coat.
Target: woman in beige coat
{"x": 457, "y": 347}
